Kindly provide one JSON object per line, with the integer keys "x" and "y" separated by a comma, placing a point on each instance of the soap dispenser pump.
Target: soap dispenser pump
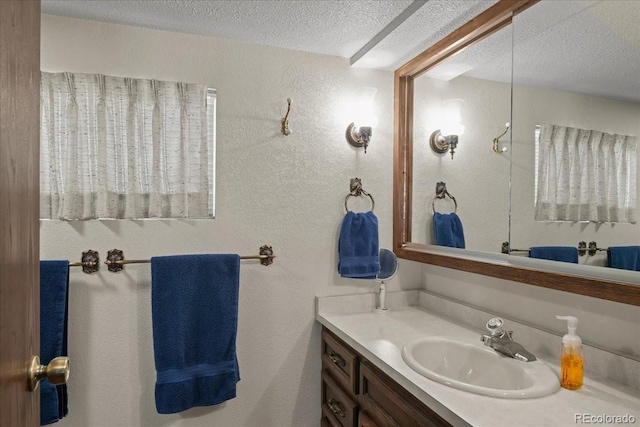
{"x": 571, "y": 362}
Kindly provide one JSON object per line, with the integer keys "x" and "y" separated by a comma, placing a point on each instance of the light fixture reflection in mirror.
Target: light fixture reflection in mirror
{"x": 360, "y": 130}
{"x": 446, "y": 138}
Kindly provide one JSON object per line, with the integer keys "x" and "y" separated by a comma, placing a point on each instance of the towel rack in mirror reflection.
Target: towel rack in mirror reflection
{"x": 355, "y": 189}
{"x": 441, "y": 192}
{"x": 115, "y": 258}
{"x": 592, "y": 249}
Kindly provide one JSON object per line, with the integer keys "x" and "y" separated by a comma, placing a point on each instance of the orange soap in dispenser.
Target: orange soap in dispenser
{"x": 571, "y": 363}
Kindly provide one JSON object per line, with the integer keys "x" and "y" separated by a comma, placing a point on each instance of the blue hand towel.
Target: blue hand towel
{"x": 194, "y": 308}
{"x": 358, "y": 254}
{"x": 624, "y": 257}
{"x": 448, "y": 230}
{"x": 54, "y": 303}
{"x": 555, "y": 253}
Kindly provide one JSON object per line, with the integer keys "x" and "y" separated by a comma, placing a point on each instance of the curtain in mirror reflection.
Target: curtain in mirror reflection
{"x": 585, "y": 175}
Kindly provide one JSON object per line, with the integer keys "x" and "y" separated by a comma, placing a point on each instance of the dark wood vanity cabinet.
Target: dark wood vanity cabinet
{"x": 355, "y": 393}
{"x": 340, "y": 365}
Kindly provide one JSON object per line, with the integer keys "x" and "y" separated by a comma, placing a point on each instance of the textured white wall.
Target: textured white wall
{"x": 283, "y": 191}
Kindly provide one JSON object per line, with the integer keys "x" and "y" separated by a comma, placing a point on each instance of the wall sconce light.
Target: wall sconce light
{"x": 359, "y": 131}
{"x": 446, "y": 138}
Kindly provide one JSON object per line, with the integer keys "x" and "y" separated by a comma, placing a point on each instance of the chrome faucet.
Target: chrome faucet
{"x": 501, "y": 341}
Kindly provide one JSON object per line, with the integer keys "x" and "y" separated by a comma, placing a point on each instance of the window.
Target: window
{"x": 115, "y": 147}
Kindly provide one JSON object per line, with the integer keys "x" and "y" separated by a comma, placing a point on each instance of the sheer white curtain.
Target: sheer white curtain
{"x": 116, "y": 147}
{"x": 585, "y": 175}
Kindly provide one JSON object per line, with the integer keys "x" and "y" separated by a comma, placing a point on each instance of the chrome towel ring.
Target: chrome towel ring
{"x": 441, "y": 192}
{"x": 356, "y": 190}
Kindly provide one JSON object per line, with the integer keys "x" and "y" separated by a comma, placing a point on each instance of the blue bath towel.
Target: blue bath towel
{"x": 358, "y": 253}
{"x": 54, "y": 303}
{"x": 624, "y": 257}
{"x": 194, "y": 308}
{"x": 448, "y": 231}
{"x": 555, "y": 253}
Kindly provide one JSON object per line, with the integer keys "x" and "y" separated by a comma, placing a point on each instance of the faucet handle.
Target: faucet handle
{"x": 494, "y": 326}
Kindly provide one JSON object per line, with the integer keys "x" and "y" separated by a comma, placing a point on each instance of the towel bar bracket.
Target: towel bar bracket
{"x": 582, "y": 248}
{"x": 506, "y": 248}
{"x": 90, "y": 262}
{"x": 114, "y": 260}
{"x": 267, "y": 256}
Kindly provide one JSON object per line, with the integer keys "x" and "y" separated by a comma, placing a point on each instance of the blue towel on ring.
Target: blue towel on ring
{"x": 194, "y": 309}
{"x": 555, "y": 253}
{"x": 448, "y": 231}
{"x": 358, "y": 253}
{"x": 624, "y": 257}
{"x": 54, "y": 304}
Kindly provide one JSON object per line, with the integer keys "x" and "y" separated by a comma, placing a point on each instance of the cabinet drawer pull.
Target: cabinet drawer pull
{"x": 335, "y": 358}
{"x": 336, "y": 408}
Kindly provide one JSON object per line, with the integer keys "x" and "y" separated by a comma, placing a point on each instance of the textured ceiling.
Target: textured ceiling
{"x": 426, "y": 26}
{"x": 329, "y": 27}
{"x": 590, "y": 47}
{"x": 583, "y": 46}
{"x": 594, "y": 51}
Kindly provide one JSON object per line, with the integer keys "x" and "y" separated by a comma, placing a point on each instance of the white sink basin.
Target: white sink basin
{"x": 473, "y": 367}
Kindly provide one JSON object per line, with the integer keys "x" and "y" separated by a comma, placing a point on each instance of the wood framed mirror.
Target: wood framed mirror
{"x": 489, "y": 22}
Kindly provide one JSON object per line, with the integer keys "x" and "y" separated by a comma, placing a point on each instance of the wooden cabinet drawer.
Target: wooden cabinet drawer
{"x": 374, "y": 412}
{"x": 328, "y": 419}
{"x": 339, "y": 409}
{"x": 387, "y": 403}
{"x": 341, "y": 361}
{"x": 365, "y": 421}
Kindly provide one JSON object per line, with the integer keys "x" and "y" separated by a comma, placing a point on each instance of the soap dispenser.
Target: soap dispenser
{"x": 571, "y": 363}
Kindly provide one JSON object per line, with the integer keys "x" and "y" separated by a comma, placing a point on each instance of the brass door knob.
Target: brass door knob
{"x": 56, "y": 372}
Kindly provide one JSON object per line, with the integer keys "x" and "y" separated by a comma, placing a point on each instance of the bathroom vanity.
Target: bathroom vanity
{"x": 356, "y": 393}
{"x": 366, "y": 382}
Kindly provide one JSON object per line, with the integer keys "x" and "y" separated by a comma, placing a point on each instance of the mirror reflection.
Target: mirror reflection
{"x": 456, "y": 100}
{"x": 560, "y": 76}
{"x": 576, "y": 119}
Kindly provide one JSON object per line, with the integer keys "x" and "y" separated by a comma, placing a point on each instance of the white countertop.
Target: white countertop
{"x": 379, "y": 337}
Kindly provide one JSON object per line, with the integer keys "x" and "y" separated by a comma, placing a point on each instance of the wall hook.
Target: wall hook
{"x": 496, "y": 140}
{"x": 286, "y": 131}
